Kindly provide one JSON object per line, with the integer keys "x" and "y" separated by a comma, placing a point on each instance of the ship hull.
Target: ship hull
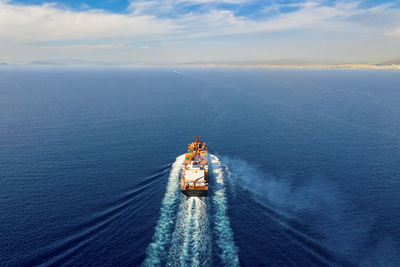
{"x": 195, "y": 193}
{"x": 194, "y": 176}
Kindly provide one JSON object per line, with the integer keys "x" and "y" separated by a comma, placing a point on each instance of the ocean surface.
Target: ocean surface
{"x": 305, "y": 167}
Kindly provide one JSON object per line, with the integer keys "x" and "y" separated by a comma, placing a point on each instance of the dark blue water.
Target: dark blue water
{"x": 305, "y": 167}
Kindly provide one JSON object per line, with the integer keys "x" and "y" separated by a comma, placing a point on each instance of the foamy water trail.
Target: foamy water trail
{"x": 222, "y": 229}
{"x": 158, "y": 250}
{"x": 191, "y": 243}
{"x": 183, "y": 236}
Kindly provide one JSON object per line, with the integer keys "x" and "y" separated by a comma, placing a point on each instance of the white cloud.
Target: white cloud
{"x": 393, "y": 33}
{"x": 165, "y": 7}
{"x": 49, "y": 23}
{"x": 311, "y": 15}
{"x": 34, "y": 26}
{"x": 149, "y": 7}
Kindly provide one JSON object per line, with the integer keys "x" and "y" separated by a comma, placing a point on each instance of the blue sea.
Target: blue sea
{"x": 305, "y": 167}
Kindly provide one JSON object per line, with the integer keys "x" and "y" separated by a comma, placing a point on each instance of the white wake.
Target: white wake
{"x": 157, "y": 250}
{"x": 183, "y": 235}
{"x": 222, "y": 228}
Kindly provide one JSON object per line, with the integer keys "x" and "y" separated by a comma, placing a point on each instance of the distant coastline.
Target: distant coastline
{"x": 249, "y": 65}
{"x": 272, "y": 66}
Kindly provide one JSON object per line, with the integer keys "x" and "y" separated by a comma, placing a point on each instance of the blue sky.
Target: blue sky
{"x": 246, "y": 7}
{"x": 173, "y": 31}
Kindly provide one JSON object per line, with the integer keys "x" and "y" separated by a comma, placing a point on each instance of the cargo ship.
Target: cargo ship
{"x": 194, "y": 175}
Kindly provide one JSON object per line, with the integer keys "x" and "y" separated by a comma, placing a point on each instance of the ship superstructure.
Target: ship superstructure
{"x": 195, "y": 170}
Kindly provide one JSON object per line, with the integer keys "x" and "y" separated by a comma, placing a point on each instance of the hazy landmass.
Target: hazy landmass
{"x": 310, "y": 63}
{"x": 393, "y": 64}
{"x": 288, "y": 66}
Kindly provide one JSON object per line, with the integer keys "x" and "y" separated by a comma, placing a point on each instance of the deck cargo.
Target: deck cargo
{"x": 194, "y": 177}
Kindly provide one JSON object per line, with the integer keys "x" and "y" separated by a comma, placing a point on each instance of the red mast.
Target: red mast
{"x": 196, "y": 148}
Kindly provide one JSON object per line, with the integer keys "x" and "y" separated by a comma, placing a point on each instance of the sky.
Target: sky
{"x": 178, "y": 31}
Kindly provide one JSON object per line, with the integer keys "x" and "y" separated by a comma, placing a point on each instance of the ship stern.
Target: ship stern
{"x": 195, "y": 193}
